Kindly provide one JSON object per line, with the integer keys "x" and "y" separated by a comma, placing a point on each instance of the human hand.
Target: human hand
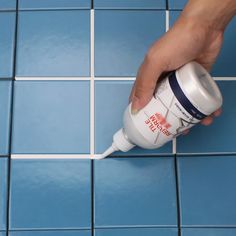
{"x": 191, "y": 38}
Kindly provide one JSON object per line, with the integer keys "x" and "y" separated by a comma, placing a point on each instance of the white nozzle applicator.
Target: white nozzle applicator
{"x": 109, "y": 151}
{"x": 120, "y": 143}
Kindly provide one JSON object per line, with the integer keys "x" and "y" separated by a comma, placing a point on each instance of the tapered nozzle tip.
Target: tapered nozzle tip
{"x": 108, "y": 152}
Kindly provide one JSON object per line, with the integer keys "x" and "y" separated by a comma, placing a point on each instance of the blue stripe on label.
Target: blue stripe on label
{"x": 188, "y": 106}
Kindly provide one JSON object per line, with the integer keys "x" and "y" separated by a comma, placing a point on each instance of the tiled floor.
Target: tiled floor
{"x": 66, "y": 71}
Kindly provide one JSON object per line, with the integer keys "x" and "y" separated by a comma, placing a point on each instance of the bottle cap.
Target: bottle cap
{"x": 200, "y": 88}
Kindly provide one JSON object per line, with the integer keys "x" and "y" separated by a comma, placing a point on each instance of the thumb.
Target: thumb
{"x": 145, "y": 83}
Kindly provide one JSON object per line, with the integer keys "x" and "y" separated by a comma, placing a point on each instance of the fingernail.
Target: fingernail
{"x": 134, "y": 111}
{"x": 135, "y": 106}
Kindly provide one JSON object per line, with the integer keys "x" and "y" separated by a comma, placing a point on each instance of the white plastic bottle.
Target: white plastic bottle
{"x": 181, "y": 100}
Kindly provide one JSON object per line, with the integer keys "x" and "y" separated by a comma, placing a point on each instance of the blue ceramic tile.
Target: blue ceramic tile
{"x": 177, "y": 4}
{"x": 51, "y": 233}
{"x": 209, "y": 232}
{"x": 207, "y": 190}
{"x": 221, "y": 135}
{"x": 54, "y": 4}
{"x": 50, "y": 194}
{"x": 7, "y": 29}
{"x": 49, "y": 45}
{"x": 130, "y": 4}
{"x": 7, "y": 4}
{"x": 5, "y": 106}
{"x": 135, "y": 191}
{"x": 136, "y": 232}
{"x": 122, "y": 39}
{"x": 3, "y": 193}
{"x": 51, "y": 117}
{"x": 225, "y": 64}
{"x": 111, "y": 99}
{"x": 3, "y": 234}
{"x": 174, "y": 16}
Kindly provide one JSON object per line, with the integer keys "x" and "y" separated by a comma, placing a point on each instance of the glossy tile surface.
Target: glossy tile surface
{"x": 7, "y": 4}
{"x": 174, "y": 15}
{"x": 207, "y": 190}
{"x": 5, "y": 106}
{"x": 51, "y": 117}
{"x": 136, "y": 232}
{"x": 7, "y": 31}
{"x": 127, "y": 194}
{"x": 54, "y": 4}
{"x": 52, "y": 233}
{"x": 49, "y": 45}
{"x": 177, "y": 4}
{"x": 209, "y": 232}
{"x": 221, "y": 135}
{"x": 122, "y": 39}
{"x": 111, "y": 99}
{"x": 50, "y": 194}
{"x": 130, "y": 4}
{"x": 135, "y": 191}
{"x": 3, "y": 192}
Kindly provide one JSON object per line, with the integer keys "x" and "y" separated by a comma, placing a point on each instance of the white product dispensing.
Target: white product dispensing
{"x": 181, "y": 100}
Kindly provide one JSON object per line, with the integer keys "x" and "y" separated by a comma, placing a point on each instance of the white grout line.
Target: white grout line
{"x": 53, "y": 78}
{"x": 50, "y": 156}
{"x": 92, "y": 43}
{"x": 167, "y": 20}
{"x": 55, "y": 156}
{"x": 37, "y": 78}
{"x": 114, "y": 78}
{"x": 92, "y": 87}
{"x": 167, "y": 28}
{"x": 174, "y": 146}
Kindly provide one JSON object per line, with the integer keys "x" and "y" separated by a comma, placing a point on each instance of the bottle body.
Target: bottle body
{"x": 181, "y": 100}
{"x": 164, "y": 118}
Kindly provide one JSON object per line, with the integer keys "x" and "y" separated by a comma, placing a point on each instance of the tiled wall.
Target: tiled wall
{"x": 66, "y": 70}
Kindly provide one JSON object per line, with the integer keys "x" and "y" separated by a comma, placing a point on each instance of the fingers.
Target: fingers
{"x": 132, "y": 92}
{"x": 209, "y": 120}
{"x": 186, "y": 132}
{"x": 145, "y": 83}
{"x": 166, "y": 54}
{"x": 217, "y": 113}
{"x": 180, "y": 45}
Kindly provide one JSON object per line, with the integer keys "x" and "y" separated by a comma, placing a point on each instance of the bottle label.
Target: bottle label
{"x": 168, "y": 114}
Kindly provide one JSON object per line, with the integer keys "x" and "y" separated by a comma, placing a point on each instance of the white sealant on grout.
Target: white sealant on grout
{"x": 56, "y": 156}
{"x": 50, "y": 156}
{"x": 167, "y": 20}
{"x": 114, "y": 78}
{"x": 53, "y": 78}
{"x": 92, "y": 87}
{"x": 174, "y": 146}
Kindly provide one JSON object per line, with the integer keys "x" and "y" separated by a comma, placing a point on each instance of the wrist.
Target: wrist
{"x": 215, "y": 14}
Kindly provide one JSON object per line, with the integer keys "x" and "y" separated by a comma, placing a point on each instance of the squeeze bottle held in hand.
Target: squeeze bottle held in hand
{"x": 181, "y": 100}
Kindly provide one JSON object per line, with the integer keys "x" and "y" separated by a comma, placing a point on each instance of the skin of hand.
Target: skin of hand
{"x": 196, "y": 36}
